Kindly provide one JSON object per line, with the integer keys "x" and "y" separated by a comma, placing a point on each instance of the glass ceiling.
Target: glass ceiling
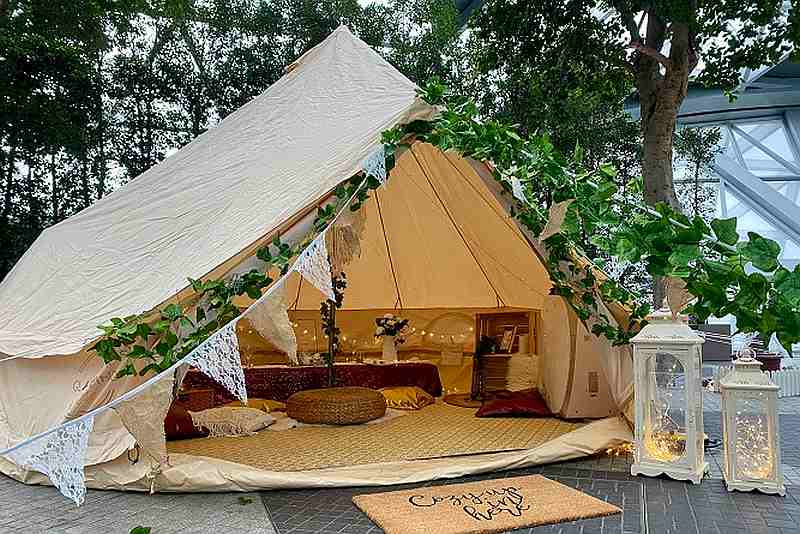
{"x": 766, "y": 151}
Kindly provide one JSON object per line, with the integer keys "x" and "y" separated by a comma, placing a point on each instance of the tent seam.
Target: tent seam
{"x": 500, "y": 301}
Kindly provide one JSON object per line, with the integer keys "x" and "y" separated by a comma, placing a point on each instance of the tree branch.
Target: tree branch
{"x": 648, "y": 51}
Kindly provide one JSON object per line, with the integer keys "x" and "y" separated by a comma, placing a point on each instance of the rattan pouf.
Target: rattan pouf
{"x": 336, "y": 406}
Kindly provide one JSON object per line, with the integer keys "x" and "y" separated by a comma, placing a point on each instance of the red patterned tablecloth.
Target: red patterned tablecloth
{"x": 281, "y": 382}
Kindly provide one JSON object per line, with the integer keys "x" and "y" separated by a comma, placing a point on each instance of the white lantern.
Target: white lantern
{"x": 668, "y": 399}
{"x": 750, "y": 429}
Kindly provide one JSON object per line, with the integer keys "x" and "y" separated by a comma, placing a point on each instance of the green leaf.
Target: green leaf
{"x": 172, "y": 312}
{"x": 140, "y": 530}
{"x": 127, "y": 370}
{"x": 787, "y": 284}
{"x": 752, "y": 292}
{"x": 683, "y": 255}
{"x": 138, "y": 351}
{"x": 725, "y": 230}
{"x": 760, "y": 251}
{"x": 608, "y": 169}
{"x": 627, "y": 250}
{"x": 200, "y": 315}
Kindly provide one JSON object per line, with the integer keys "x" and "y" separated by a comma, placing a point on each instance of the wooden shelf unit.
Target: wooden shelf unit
{"x": 495, "y": 367}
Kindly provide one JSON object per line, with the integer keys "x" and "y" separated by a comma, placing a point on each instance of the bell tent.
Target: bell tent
{"x": 436, "y": 245}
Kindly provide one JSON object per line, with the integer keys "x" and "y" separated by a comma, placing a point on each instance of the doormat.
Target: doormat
{"x": 481, "y": 507}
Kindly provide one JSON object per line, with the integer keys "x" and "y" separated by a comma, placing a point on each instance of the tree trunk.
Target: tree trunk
{"x": 101, "y": 128}
{"x": 9, "y": 182}
{"x": 662, "y": 83}
{"x": 54, "y": 189}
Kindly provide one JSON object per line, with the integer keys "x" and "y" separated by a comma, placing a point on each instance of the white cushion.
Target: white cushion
{"x": 228, "y": 421}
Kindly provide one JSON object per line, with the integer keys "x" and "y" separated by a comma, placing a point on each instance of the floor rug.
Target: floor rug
{"x": 481, "y": 507}
{"x": 435, "y": 431}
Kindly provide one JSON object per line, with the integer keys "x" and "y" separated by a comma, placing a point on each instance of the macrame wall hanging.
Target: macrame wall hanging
{"x": 313, "y": 265}
{"x": 343, "y": 239}
{"x": 269, "y": 317}
{"x": 59, "y": 455}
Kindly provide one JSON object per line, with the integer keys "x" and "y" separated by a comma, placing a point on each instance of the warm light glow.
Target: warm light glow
{"x": 665, "y": 446}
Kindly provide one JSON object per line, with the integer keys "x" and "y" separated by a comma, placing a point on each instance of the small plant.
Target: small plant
{"x": 140, "y": 530}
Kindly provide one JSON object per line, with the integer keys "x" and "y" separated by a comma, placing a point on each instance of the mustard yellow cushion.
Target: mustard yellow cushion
{"x": 265, "y": 405}
{"x": 407, "y": 398}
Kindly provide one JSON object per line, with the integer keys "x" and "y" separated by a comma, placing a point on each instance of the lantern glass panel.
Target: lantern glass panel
{"x": 754, "y": 455}
{"x": 665, "y": 430}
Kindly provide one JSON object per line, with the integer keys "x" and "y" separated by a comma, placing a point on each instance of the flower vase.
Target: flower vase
{"x": 389, "y": 349}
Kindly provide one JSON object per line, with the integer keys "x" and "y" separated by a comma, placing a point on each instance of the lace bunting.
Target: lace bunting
{"x": 517, "y": 190}
{"x": 60, "y": 455}
{"x": 375, "y": 164}
{"x": 219, "y": 358}
{"x": 270, "y": 319}
{"x": 313, "y": 265}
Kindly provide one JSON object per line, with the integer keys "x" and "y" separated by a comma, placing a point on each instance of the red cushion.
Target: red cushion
{"x": 528, "y": 403}
{"x": 178, "y": 424}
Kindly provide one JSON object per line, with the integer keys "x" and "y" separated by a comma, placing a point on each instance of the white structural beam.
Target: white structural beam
{"x": 764, "y": 200}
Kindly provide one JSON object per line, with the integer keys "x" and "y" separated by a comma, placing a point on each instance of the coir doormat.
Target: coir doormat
{"x": 481, "y": 507}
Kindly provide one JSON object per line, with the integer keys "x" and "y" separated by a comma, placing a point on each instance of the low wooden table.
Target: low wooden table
{"x": 336, "y": 406}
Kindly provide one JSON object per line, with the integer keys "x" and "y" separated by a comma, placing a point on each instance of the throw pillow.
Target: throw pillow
{"x": 407, "y": 397}
{"x": 528, "y": 403}
{"x": 178, "y": 424}
{"x": 226, "y": 421}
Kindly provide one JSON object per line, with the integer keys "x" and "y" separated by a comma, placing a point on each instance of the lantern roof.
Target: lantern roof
{"x": 746, "y": 374}
{"x": 664, "y": 327}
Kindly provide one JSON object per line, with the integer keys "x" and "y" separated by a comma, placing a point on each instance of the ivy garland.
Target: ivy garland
{"x": 726, "y": 276}
{"x": 598, "y": 221}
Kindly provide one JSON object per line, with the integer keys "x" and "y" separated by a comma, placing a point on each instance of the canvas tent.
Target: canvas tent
{"x": 438, "y": 241}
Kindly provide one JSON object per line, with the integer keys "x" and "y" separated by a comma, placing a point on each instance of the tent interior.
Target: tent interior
{"x": 438, "y": 248}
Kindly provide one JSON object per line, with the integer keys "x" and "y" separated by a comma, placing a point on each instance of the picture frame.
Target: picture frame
{"x": 508, "y": 340}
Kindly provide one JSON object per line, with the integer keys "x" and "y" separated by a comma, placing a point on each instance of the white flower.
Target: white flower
{"x": 379, "y": 331}
{"x": 388, "y": 316}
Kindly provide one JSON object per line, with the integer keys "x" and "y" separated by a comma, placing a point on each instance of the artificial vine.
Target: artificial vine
{"x": 726, "y": 276}
{"x": 327, "y": 311}
{"x": 153, "y": 342}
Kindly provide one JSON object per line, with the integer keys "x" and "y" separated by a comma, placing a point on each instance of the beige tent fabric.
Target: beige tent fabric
{"x": 134, "y": 248}
{"x": 435, "y": 237}
{"x": 192, "y": 473}
{"x": 198, "y": 209}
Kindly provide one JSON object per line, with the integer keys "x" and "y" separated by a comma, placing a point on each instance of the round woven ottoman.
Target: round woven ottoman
{"x": 336, "y": 406}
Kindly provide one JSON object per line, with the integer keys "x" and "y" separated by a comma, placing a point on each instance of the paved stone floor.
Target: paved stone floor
{"x": 650, "y": 505}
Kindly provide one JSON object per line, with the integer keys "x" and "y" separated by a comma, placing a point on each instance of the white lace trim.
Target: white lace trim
{"x": 313, "y": 265}
{"x": 517, "y": 190}
{"x": 375, "y": 164}
{"x": 219, "y": 358}
{"x": 60, "y": 455}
